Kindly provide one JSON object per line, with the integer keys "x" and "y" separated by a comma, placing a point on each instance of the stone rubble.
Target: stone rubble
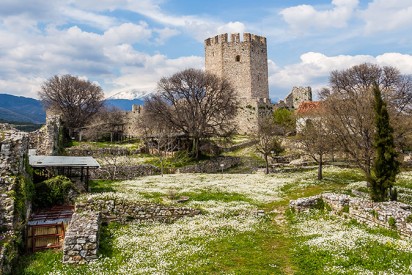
{"x": 389, "y": 214}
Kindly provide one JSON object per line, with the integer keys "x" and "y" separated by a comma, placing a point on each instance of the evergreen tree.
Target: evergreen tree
{"x": 385, "y": 166}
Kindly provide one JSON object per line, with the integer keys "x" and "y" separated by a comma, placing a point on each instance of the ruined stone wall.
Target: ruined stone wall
{"x": 297, "y": 96}
{"x": 395, "y": 215}
{"x": 46, "y": 140}
{"x": 132, "y": 128}
{"x": 13, "y": 154}
{"x": 81, "y": 241}
{"x": 120, "y": 209}
{"x": 244, "y": 65}
{"x": 211, "y": 166}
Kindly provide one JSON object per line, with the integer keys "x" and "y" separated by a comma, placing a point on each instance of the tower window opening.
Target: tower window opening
{"x": 237, "y": 58}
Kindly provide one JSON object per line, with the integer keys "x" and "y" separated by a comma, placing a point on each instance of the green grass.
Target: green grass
{"x": 264, "y": 251}
{"x": 100, "y": 186}
{"x": 271, "y": 247}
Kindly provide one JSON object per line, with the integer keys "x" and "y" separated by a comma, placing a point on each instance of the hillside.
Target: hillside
{"x": 24, "y": 109}
{"x": 21, "y": 109}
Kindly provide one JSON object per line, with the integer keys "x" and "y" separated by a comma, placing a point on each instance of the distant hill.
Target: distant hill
{"x": 21, "y": 109}
{"x": 24, "y": 109}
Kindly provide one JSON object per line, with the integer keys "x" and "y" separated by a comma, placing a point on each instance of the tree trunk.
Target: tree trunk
{"x": 320, "y": 175}
{"x": 267, "y": 164}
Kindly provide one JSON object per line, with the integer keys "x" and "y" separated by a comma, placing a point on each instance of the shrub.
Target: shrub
{"x": 320, "y": 204}
{"x": 51, "y": 192}
{"x": 392, "y": 222}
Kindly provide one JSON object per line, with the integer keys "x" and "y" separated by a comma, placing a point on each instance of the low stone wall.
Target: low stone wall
{"x": 124, "y": 172}
{"x": 387, "y": 214}
{"x": 96, "y": 152}
{"x": 82, "y": 238}
{"x": 123, "y": 210}
{"x": 211, "y": 166}
{"x": 240, "y": 146}
{"x": 81, "y": 242}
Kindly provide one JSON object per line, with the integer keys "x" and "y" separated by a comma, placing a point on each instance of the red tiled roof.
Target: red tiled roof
{"x": 308, "y": 107}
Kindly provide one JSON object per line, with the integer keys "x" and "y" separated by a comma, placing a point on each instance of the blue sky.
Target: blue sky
{"x": 128, "y": 45}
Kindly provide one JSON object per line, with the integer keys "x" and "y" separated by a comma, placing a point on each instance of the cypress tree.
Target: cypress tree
{"x": 386, "y": 166}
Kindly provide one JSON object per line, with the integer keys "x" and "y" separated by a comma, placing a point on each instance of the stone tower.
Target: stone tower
{"x": 244, "y": 65}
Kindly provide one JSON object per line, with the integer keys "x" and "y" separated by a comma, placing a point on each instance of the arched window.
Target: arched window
{"x": 237, "y": 58}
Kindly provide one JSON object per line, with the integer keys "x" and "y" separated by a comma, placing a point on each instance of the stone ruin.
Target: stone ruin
{"x": 297, "y": 96}
{"x": 82, "y": 238}
{"x": 386, "y": 214}
{"x": 13, "y": 156}
{"x": 46, "y": 140}
{"x": 81, "y": 243}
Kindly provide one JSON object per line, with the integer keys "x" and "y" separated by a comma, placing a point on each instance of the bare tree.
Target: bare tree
{"x": 315, "y": 138}
{"x": 267, "y": 143}
{"x": 194, "y": 103}
{"x": 75, "y": 99}
{"x": 108, "y": 122}
{"x": 349, "y": 108}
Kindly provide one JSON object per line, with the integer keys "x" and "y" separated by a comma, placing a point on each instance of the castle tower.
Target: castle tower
{"x": 244, "y": 65}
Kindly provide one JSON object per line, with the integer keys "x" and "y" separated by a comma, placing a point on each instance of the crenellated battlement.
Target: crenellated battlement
{"x": 235, "y": 39}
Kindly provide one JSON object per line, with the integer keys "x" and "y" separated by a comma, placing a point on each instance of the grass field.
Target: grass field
{"x": 231, "y": 238}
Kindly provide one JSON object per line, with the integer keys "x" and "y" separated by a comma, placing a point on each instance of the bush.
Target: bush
{"x": 51, "y": 192}
{"x": 392, "y": 222}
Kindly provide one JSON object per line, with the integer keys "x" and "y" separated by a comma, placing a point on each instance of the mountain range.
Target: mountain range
{"x": 23, "y": 109}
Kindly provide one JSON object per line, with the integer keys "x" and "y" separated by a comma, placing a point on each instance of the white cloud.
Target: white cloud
{"x": 388, "y": 15}
{"x": 231, "y": 27}
{"x": 314, "y": 69}
{"x": 303, "y": 17}
{"x": 145, "y": 78}
{"x": 128, "y": 33}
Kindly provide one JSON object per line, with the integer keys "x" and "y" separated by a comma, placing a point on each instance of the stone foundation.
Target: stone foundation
{"x": 386, "y": 214}
{"x": 81, "y": 242}
{"x": 82, "y": 238}
{"x": 123, "y": 210}
{"x": 211, "y": 166}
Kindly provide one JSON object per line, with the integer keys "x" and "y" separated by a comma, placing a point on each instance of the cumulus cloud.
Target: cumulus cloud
{"x": 145, "y": 78}
{"x": 314, "y": 69}
{"x": 231, "y": 27}
{"x": 384, "y": 15}
{"x": 303, "y": 17}
{"x": 128, "y": 33}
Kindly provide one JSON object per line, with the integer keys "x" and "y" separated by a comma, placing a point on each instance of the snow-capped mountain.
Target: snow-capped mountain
{"x": 130, "y": 94}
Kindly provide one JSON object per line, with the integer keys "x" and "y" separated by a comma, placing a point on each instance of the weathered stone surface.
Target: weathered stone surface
{"x": 211, "y": 166}
{"x": 13, "y": 150}
{"x": 244, "y": 65}
{"x": 83, "y": 231}
{"x": 363, "y": 210}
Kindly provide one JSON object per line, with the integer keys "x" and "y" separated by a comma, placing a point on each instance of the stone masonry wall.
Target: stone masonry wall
{"x": 46, "y": 139}
{"x": 297, "y": 96}
{"x": 13, "y": 153}
{"x": 244, "y": 64}
{"x": 363, "y": 210}
{"x": 81, "y": 242}
{"x": 123, "y": 210}
{"x": 211, "y": 166}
